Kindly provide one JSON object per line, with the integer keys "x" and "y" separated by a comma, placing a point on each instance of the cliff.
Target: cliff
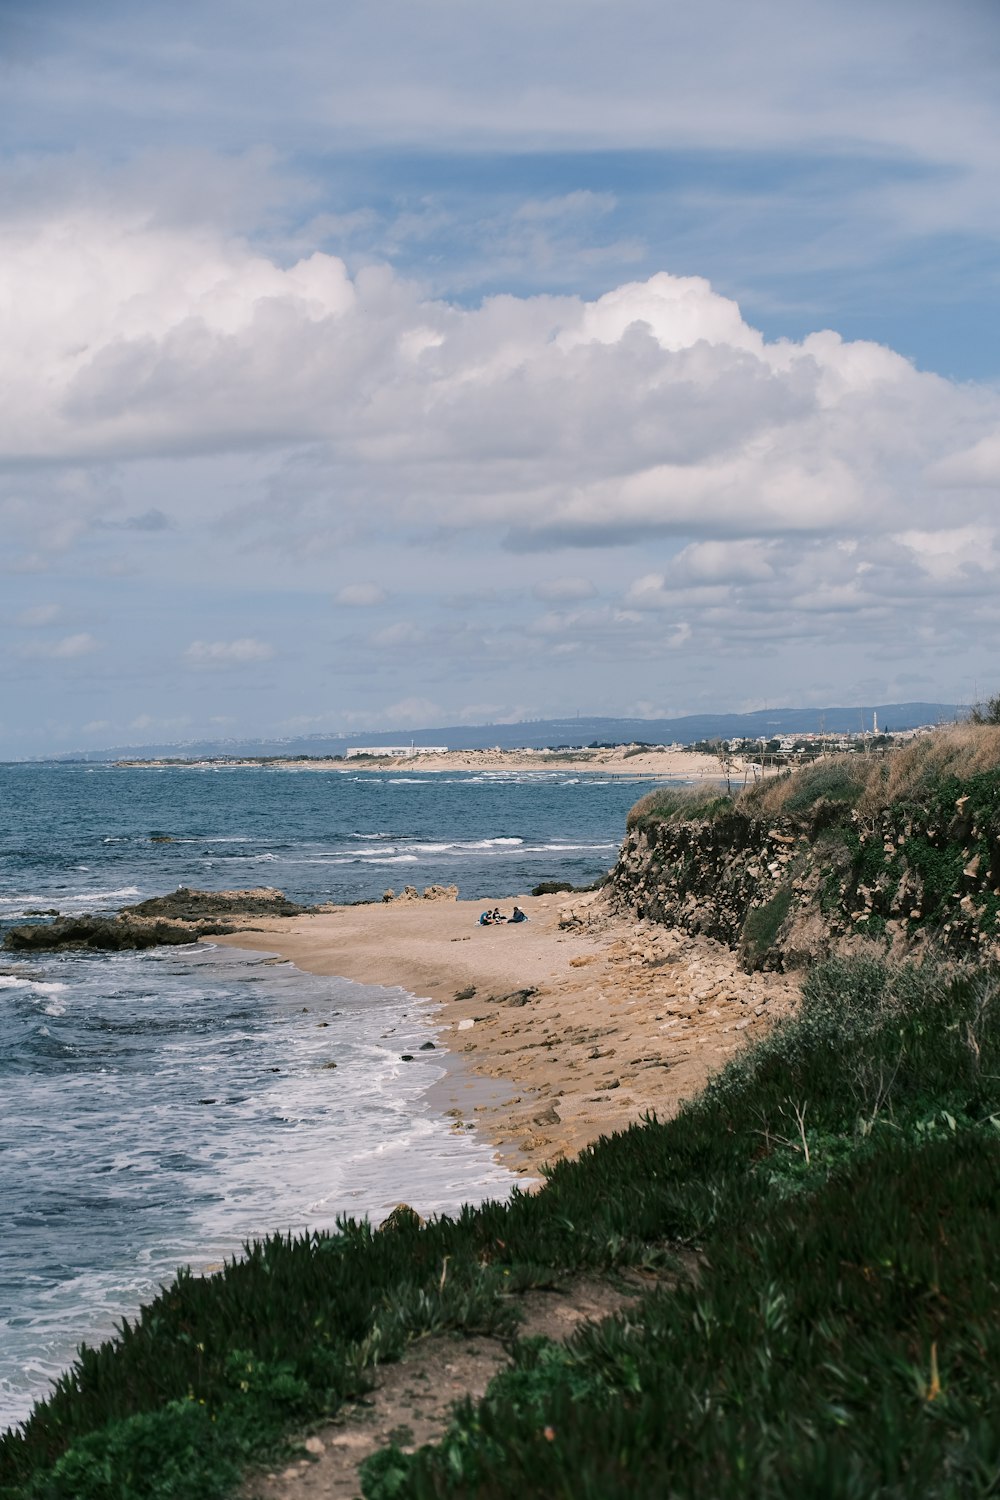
{"x": 903, "y": 850}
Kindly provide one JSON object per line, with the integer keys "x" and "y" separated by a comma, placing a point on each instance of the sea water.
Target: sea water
{"x": 160, "y": 1109}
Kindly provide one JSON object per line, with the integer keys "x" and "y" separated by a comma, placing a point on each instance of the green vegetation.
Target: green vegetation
{"x": 834, "y": 781}
{"x": 908, "y": 777}
{"x": 893, "y": 847}
{"x": 986, "y": 713}
{"x": 837, "y": 1182}
{"x": 841, "y": 1337}
{"x": 678, "y": 804}
{"x": 762, "y": 922}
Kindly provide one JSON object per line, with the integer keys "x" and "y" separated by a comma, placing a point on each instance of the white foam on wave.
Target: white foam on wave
{"x": 354, "y": 857}
{"x": 23, "y": 904}
{"x": 392, "y": 859}
{"x": 126, "y": 890}
{"x": 236, "y": 838}
{"x": 566, "y": 848}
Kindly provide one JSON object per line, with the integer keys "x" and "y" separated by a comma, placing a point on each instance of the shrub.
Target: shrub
{"x": 678, "y": 804}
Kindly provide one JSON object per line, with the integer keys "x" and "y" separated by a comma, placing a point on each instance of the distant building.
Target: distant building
{"x": 395, "y": 752}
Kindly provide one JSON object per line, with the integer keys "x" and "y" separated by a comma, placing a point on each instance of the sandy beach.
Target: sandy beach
{"x": 566, "y": 1027}
{"x": 665, "y": 764}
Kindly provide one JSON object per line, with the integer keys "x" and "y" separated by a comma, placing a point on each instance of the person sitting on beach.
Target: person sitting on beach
{"x": 498, "y": 915}
{"x": 486, "y": 920}
{"x": 517, "y": 915}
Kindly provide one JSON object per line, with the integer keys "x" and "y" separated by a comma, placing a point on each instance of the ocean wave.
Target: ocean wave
{"x": 41, "y": 986}
{"x": 125, "y": 890}
{"x": 236, "y": 838}
{"x": 492, "y": 843}
{"x": 567, "y": 848}
{"x": 392, "y": 859}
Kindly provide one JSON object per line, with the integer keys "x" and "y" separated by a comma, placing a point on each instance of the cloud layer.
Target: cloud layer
{"x": 404, "y": 364}
{"x": 654, "y": 409}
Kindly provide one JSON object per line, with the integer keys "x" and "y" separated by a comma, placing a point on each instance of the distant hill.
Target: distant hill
{"x": 542, "y": 733}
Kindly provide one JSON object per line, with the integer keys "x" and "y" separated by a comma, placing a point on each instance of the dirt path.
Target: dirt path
{"x": 413, "y": 1400}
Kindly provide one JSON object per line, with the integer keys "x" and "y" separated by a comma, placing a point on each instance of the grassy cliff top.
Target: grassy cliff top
{"x": 915, "y": 776}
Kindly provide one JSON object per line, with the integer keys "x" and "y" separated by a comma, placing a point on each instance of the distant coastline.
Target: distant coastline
{"x": 667, "y": 764}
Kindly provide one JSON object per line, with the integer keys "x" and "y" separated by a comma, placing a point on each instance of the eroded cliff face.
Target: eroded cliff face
{"x": 785, "y": 892}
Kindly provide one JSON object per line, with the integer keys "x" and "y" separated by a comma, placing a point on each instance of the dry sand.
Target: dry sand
{"x": 584, "y": 1021}
{"x": 661, "y": 764}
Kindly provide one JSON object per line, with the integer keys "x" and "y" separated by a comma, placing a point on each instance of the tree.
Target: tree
{"x": 986, "y": 713}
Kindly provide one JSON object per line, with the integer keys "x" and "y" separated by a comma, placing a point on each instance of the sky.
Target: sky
{"x": 394, "y": 363}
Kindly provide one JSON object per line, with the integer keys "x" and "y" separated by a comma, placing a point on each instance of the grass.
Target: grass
{"x": 827, "y": 789}
{"x": 842, "y": 1337}
{"x": 906, "y": 778}
{"x": 678, "y": 804}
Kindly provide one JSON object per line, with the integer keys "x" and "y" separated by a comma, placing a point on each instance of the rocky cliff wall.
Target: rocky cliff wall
{"x": 785, "y": 891}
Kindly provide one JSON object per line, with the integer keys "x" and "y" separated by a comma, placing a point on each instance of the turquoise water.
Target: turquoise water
{"x": 161, "y": 1108}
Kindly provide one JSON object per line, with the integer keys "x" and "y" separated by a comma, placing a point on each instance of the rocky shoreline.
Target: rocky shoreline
{"x": 183, "y": 916}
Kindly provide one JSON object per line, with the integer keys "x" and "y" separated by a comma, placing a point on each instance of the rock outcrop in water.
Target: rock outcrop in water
{"x": 181, "y": 917}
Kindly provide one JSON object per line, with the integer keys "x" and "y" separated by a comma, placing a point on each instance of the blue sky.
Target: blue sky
{"x": 383, "y": 365}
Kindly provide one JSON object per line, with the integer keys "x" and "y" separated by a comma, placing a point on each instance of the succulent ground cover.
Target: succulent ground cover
{"x": 841, "y": 1336}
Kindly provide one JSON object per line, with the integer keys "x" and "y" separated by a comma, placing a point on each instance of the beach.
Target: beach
{"x": 661, "y": 763}
{"x": 567, "y": 1027}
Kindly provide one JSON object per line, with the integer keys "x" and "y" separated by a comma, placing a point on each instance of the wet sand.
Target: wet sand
{"x": 569, "y": 1026}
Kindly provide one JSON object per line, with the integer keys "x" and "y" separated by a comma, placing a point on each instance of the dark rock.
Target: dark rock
{"x": 518, "y": 997}
{"x": 406, "y": 1057}
{"x": 104, "y": 934}
{"x": 185, "y": 905}
{"x": 182, "y": 917}
{"x": 428, "y": 1047}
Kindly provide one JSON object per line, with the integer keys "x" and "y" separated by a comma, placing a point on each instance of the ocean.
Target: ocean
{"x": 159, "y": 1109}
